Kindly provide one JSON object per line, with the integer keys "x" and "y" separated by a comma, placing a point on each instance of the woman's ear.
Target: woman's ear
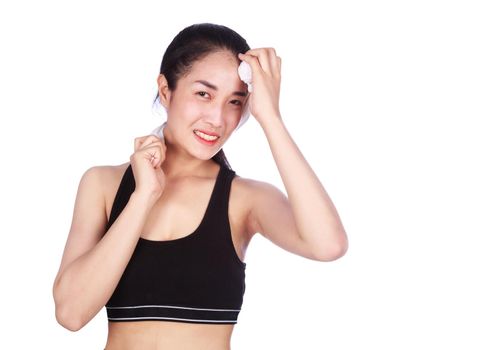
{"x": 164, "y": 91}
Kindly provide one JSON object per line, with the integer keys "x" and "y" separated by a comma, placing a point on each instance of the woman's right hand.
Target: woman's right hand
{"x": 149, "y": 154}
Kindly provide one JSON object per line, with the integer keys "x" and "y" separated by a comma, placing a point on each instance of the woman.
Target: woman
{"x": 162, "y": 238}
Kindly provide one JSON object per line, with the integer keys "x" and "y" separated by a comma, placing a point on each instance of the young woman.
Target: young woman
{"x": 162, "y": 238}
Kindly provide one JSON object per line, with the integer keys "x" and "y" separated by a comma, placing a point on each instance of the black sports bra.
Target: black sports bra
{"x": 198, "y": 278}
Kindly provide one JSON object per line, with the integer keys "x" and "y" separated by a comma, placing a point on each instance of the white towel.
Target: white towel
{"x": 158, "y": 131}
{"x": 245, "y": 74}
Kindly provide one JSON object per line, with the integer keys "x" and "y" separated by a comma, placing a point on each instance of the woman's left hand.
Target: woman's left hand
{"x": 266, "y": 83}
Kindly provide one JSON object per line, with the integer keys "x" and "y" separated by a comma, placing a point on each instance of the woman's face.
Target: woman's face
{"x": 207, "y": 102}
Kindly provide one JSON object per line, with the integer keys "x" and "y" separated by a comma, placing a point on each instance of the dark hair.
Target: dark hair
{"x": 192, "y": 44}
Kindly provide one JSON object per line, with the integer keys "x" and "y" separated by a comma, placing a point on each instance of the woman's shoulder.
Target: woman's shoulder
{"x": 108, "y": 176}
{"x": 251, "y": 186}
{"x": 251, "y": 190}
{"x": 257, "y": 193}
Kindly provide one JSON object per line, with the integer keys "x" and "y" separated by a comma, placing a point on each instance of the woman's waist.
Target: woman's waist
{"x": 161, "y": 335}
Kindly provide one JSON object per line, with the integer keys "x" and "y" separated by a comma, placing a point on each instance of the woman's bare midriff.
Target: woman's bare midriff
{"x": 166, "y": 335}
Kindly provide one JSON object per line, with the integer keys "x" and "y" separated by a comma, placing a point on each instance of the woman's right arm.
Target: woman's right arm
{"x": 93, "y": 263}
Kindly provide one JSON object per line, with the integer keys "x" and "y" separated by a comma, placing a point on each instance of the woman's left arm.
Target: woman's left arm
{"x": 312, "y": 212}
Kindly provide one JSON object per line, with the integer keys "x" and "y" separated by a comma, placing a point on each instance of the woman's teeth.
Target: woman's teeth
{"x": 205, "y": 136}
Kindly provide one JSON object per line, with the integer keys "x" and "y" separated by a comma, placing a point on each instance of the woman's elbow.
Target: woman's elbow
{"x": 67, "y": 319}
{"x": 335, "y": 250}
{"x": 64, "y": 313}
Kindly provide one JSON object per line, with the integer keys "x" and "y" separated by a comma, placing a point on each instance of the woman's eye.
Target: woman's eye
{"x": 204, "y": 93}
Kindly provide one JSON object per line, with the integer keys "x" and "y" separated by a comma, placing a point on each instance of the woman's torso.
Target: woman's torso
{"x": 184, "y": 215}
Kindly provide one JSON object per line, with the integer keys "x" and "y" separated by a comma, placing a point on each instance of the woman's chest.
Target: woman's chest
{"x": 183, "y": 207}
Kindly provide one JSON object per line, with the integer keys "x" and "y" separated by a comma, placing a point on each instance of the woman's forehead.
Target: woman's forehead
{"x": 219, "y": 70}
{"x": 216, "y": 62}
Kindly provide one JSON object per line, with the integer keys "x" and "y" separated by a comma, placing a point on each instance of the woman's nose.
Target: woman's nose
{"x": 215, "y": 115}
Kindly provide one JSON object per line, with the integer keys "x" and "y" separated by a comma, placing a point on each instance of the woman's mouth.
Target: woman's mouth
{"x": 206, "y": 139}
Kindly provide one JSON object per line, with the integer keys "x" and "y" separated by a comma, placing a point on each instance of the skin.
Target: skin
{"x": 190, "y": 174}
{"x": 195, "y": 106}
{"x": 305, "y": 222}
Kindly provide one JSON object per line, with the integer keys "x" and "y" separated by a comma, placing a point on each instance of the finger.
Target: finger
{"x": 254, "y": 66}
{"x": 155, "y": 155}
{"x": 274, "y": 63}
{"x": 271, "y": 56}
{"x": 154, "y": 149}
{"x": 152, "y": 155}
{"x": 264, "y": 57}
{"x": 157, "y": 146}
{"x": 159, "y": 139}
{"x": 257, "y": 51}
{"x": 255, "y": 63}
{"x": 149, "y": 143}
{"x": 140, "y": 142}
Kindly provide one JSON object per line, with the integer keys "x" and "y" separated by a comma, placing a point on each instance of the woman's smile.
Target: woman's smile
{"x": 205, "y": 138}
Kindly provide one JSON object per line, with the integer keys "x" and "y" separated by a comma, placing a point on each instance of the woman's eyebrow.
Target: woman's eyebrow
{"x": 213, "y": 87}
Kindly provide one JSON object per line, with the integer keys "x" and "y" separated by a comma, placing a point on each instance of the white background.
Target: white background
{"x": 384, "y": 99}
